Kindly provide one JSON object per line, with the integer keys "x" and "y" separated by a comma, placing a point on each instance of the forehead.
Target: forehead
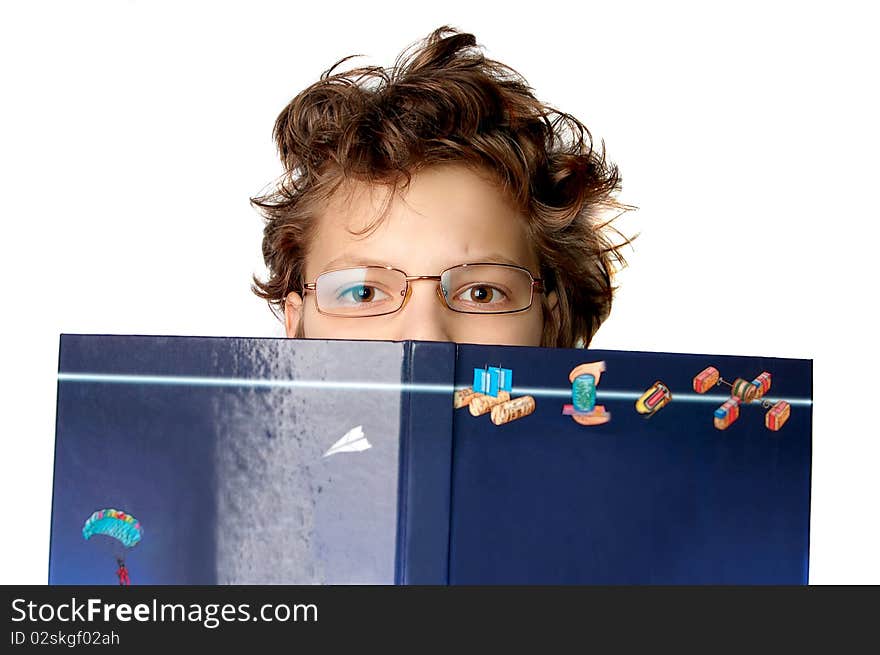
{"x": 446, "y": 216}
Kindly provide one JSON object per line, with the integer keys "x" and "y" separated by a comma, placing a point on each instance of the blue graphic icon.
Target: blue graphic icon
{"x": 492, "y": 379}
{"x": 583, "y": 392}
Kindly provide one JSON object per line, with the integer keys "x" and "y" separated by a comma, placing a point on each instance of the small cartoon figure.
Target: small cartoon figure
{"x": 122, "y": 573}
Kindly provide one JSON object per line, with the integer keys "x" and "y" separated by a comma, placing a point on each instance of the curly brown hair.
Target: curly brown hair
{"x": 444, "y": 102}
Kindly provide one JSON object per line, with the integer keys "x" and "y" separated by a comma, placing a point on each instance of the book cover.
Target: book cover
{"x": 196, "y": 460}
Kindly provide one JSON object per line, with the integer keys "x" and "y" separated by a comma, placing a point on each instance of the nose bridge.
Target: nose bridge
{"x": 424, "y": 316}
{"x": 416, "y": 278}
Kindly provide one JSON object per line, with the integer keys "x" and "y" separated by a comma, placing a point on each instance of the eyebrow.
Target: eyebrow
{"x": 354, "y": 260}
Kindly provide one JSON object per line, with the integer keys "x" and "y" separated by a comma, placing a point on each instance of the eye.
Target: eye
{"x": 482, "y": 294}
{"x": 362, "y": 294}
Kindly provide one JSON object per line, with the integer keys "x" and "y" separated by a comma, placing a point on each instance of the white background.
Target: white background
{"x": 133, "y": 133}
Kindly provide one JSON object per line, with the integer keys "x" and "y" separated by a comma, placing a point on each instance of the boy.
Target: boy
{"x": 438, "y": 200}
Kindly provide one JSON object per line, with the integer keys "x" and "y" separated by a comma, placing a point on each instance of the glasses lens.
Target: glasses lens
{"x": 487, "y": 288}
{"x": 365, "y": 291}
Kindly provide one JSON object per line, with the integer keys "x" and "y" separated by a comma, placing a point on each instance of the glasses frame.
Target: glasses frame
{"x": 537, "y": 286}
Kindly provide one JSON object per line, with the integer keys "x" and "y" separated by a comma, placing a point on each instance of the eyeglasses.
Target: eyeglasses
{"x": 480, "y": 288}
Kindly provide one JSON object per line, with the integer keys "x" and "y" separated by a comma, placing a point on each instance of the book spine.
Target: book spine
{"x": 425, "y": 468}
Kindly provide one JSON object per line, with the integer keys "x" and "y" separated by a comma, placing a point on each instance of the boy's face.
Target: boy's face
{"x": 449, "y": 215}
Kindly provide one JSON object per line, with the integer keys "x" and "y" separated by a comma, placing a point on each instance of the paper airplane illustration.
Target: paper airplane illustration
{"x": 352, "y": 441}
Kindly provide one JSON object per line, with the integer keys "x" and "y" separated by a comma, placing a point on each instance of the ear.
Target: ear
{"x": 293, "y": 306}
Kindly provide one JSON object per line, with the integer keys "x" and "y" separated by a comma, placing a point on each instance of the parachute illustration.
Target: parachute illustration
{"x": 114, "y": 523}
{"x": 122, "y": 527}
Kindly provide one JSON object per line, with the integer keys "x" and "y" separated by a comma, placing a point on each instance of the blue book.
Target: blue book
{"x": 203, "y": 461}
